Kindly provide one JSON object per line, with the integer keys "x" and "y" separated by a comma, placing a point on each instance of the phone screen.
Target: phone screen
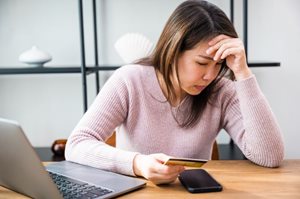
{"x": 199, "y": 181}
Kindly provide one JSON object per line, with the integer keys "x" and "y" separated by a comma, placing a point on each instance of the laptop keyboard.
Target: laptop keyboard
{"x": 70, "y": 188}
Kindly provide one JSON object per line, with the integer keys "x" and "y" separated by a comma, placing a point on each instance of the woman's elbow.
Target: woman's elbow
{"x": 69, "y": 150}
{"x": 271, "y": 158}
{"x": 274, "y": 162}
{"x": 276, "y": 159}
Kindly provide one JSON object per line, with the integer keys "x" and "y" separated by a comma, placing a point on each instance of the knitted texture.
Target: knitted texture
{"x": 133, "y": 103}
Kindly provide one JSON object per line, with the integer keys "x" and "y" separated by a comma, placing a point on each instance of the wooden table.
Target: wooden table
{"x": 240, "y": 179}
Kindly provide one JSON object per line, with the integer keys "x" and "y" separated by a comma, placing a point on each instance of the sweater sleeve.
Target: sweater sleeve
{"x": 86, "y": 144}
{"x": 250, "y": 122}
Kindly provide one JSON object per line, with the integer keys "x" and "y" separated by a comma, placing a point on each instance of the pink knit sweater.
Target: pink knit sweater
{"x": 133, "y": 102}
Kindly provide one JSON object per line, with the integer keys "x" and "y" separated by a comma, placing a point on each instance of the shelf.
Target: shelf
{"x": 92, "y": 69}
{"x": 263, "y": 64}
{"x": 49, "y": 70}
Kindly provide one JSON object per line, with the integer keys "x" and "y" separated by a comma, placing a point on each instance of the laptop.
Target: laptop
{"x": 22, "y": 171}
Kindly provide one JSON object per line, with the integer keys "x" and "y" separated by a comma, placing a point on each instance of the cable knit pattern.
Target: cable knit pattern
{"x": 133, "y": 103}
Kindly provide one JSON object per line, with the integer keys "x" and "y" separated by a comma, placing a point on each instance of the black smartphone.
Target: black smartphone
{"x": 199, "y": 181}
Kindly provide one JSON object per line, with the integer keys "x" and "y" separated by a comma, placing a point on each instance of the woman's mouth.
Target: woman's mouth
{"x": 199, "y": 88}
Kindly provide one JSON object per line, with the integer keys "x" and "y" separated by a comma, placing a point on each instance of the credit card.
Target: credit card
{"x": 189, "y": 162}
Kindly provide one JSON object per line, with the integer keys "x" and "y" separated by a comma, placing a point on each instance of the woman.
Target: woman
{"x": 175, "y": 102}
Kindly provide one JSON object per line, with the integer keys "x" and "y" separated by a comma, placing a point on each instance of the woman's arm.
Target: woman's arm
{"x": 248, "y": 117}
{"x": 251, "y": 123}
{"x": 86, "y": 143}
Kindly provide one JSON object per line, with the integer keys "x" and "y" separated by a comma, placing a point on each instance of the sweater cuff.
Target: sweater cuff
{"x": 125, "y": 162}
{"x": 248, "y": 88}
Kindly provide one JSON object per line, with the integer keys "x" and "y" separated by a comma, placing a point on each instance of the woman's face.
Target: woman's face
{"x": 196, "y": 69}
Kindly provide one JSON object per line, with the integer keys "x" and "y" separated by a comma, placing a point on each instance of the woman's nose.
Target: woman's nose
{"x": 209, "y": 74}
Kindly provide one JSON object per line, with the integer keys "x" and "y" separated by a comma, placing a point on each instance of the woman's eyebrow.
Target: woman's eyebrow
{"x": 206, "y": 57}
{"x": 210, "y": 58}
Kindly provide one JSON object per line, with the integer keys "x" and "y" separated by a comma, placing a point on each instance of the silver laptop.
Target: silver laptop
{"x": 22, "y": 171}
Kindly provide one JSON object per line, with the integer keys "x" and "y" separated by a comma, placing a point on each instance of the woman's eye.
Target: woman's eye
{"x": 202, "y": 64}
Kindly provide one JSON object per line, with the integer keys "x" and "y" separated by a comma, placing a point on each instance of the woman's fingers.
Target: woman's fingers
{"x": 213, "y": 48}
{"x": 160, "y": 157}
{"x": 159, "y": 178}
{"x": 217, "y": 39}
{"x": 220, "y": 52}
{"x": 168, "y": 169}
{"x": 152, "y": 168}
{"x": 219, "y": 48}
{"x": 231, "y": 49}
{"x": 159, "y": 175}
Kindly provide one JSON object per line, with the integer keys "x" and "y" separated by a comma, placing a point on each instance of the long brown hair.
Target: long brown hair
{"x": 192, "y": 21}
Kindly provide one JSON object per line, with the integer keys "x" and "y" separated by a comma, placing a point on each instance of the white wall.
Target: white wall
{"x": 274, "y": 35}
{"x": 49, "y": 106}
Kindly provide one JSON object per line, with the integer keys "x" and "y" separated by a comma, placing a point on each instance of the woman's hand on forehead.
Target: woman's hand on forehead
{"x": 231, "y": 49}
